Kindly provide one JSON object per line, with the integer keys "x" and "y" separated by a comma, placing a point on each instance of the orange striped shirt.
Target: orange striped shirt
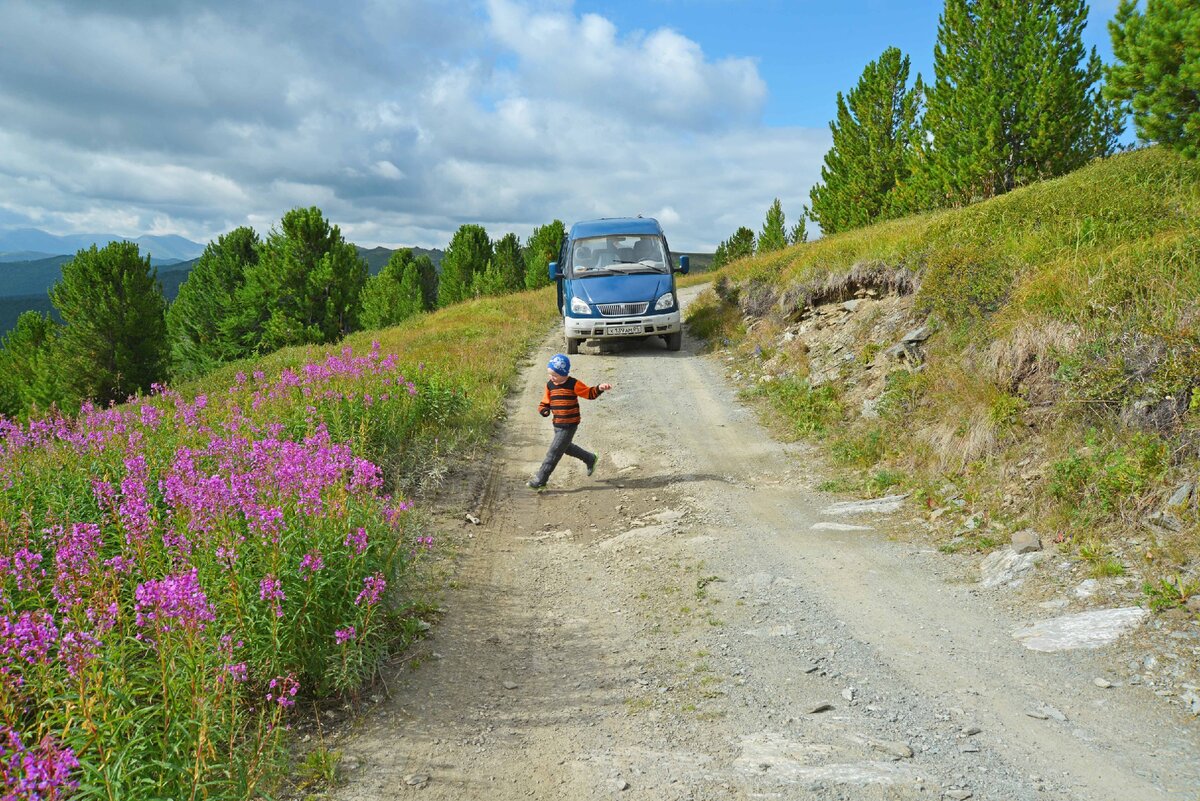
{"x": 563, "y": 400}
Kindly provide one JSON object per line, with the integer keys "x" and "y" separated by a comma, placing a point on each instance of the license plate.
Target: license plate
{"x": 622, "y": 330}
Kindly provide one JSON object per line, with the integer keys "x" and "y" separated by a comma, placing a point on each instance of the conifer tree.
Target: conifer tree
{"x": 510, "y": 265}
{"x": 1015, "y": 100}
{"x": 27, "y": 370}
{"x": 466, "y": 256}
{"x": 875, "y": 130}
{"x": 427, "y": 278}
{"x": 720, "y": 256}
{"x": 1158, "y": 70}
{"x": 199, "y": 320}
{"x": 799, "y": 232}
{"x": 741, "y": 244}
{"x": 774, "y": 231}
{"x": 113, "y": 343}
{"x": 393, "y": 295}
{"x": 541, "y": 248}
{"x": 305, "y": 288}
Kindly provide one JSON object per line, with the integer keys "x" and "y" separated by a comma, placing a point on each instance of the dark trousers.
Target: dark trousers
{"x": 562, "y": 444}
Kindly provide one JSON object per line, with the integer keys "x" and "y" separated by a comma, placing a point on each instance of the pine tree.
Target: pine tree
{"x": 741, "y": 244}
{"x": 720, "y": 256}
{"x": 875, "y": 130}
{"x": 305, "y": 288}
{"x": 1015, "y": 99}
{"x": 510, "y": 264}
{"x": 1158, "y": 70}
{"x": 198, "y": 320}
{"x": 541, "y": 248}
{"x": 427, "y": 278}
{"x": 466, "y": 256}
{"x": 774, "y": 231}
{"x": 113, "y": 343}
{"x": 27, "y": 365}
{"x": 393, "y": 295}
{"x": 799, "y": 232}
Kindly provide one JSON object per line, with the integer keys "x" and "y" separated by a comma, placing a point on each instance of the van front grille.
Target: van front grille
{"x": 621, "y": 309}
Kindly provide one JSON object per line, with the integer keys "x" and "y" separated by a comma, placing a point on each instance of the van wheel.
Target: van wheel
{"x": 572, "y": 345}
{"x": 674, "y": 341}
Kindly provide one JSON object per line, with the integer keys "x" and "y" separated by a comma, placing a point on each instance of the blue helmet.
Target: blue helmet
{"x": 560, "y": 364}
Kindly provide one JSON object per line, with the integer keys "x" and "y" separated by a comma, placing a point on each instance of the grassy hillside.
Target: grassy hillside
{"x": 178, "y": 572}
{"x": 1060, "y": 388}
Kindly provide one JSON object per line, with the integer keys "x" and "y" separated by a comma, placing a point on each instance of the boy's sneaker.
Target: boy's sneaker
{"x": 533, "y": 485}
{"x": 595, "y": 461}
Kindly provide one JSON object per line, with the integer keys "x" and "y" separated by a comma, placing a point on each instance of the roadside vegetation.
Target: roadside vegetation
{"x": 178, "y": 572}
{"x": 1060, "y": 388}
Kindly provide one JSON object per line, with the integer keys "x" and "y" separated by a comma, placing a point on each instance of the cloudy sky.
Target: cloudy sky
{"x": 403, "y": 119}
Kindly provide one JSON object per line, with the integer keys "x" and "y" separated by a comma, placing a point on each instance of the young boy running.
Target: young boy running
{"x": 561, "y": 399}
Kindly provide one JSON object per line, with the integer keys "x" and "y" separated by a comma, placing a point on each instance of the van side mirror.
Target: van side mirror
{"x": 683, "y": 265}
{"x": 553, "y": 268}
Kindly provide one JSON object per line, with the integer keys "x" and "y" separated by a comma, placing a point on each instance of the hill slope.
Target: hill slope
{"x": 1032, "y": 362}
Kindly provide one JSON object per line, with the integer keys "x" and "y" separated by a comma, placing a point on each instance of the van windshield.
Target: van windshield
{"x": 621, "y": 253}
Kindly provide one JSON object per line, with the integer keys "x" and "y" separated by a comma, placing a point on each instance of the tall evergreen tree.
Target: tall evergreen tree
{"x": 799, "y": 232}
{"x": 114, "y": 337}
{"x": 541, "y": 248}
{"x": 1158, "y": 70}
{"x": 875, "y": 129}
{"x": 27, "y": 368}
{"x": 427, "y": 278}
{"x": 720, "y": 256}
{"x": 741, "y": 244}
{"x": 466, "y": 256}
{"x": 394, "y": 294}
{"x": 198, "y": 321}
{"x": 304, "y": 289}
{"x": 774, "y": 231}
{"x": 1016, "y": 98}
{"x": 510, "y": 265}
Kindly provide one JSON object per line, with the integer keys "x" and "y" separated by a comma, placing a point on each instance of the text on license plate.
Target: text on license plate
{"x": 619, "y": 330}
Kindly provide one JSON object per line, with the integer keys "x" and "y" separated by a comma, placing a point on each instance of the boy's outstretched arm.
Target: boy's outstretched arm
{"x": 544, "y": 406}
{"x": 591, "y": 393}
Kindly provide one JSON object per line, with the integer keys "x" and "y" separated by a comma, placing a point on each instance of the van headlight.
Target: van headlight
{"x": 579, "y": 307}
{"x": 667, "y": 301}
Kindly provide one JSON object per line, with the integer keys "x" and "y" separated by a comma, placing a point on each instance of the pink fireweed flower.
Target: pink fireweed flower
{"x": 345, "y": 635}
{"x": 173, "y": 602}
{"x": 77, "y": 649}
{"x": 238, "y": 671}
{"x": 283, "y": 689}
{"x": 151, "y": 416}
{"x": 41, "y": 773}
{"x": 74, "y": 560}
{"x": 23, "y": 566}
{"x": 357, "y": 540}
{"x": 27, "y": 638}
{"x": 373, "y": 587}
{"x": 270, "y": 589}
{"x": 134, "y": 508}
{"x": 311, "y": 564}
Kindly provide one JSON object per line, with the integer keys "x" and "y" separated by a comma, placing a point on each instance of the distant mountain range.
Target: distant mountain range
{"x": 31, "y": 244}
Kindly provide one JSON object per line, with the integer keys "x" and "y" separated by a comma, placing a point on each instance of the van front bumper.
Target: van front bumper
{"x": 645, "y": 325}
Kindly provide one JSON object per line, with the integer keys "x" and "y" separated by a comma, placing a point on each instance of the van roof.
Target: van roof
{"x": 610, "y": 226}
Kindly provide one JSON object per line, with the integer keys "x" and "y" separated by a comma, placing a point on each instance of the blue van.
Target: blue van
{"x": 616, "y": 279}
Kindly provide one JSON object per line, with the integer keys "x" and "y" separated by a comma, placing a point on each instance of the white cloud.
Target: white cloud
{"x": 401, "y": 120}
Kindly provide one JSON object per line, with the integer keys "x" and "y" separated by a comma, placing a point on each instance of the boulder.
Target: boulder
{"x": 1026, "y": 541}
{"x": 1006, "y": 567}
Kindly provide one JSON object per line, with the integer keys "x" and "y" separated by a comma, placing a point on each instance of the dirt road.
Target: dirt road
{"x": 675, "y": 628}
